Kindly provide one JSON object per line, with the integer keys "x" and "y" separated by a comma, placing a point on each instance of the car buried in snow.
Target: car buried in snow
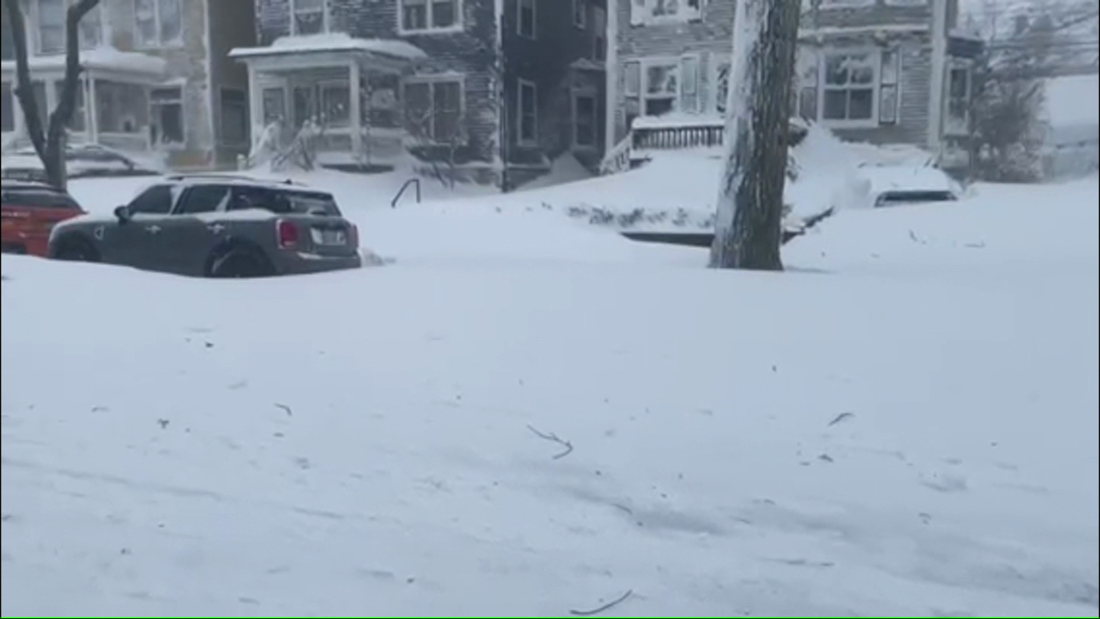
{"x": 216, "y": 226}
{"x": 28, "y": 212}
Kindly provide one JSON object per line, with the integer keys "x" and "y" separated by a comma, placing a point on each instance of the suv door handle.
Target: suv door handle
{"x": 152, "y": 229}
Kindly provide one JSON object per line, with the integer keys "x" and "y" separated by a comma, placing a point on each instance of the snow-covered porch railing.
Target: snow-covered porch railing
{"x": 673, "y": 132}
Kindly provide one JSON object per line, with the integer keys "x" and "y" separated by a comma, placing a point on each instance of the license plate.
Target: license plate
{"x": 329, "y": 237}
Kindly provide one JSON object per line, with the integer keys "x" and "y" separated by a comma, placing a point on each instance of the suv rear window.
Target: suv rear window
{"x": 912, "y": 197}
{"x": 38, "y": 198}
{"x": 284, "y": 201}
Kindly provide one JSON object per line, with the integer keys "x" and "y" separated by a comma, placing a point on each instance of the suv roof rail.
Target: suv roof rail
{"x": 229, "y": 177}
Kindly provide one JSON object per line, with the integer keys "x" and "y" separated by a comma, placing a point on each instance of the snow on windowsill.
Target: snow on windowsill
{"x": 332, "y": 42}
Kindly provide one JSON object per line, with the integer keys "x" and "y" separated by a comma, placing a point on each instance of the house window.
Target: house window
{"x": 849, "y": 87}
{"x": 526, "y": 17}
{"x": 888, "y": 88}
{"x": 528, "y": 112}
{"x": 274, "y": 105}
{"x": 166, "y": 115}
{"x": 428, "y": 15}
{"x": 76, "y": 122}
{"x": 655, "y": 11}
{"x": 958, "y": 100}
{"x": 51, "y": 26}
{"x": 234, "y": 116}
{"x": 599, "y": 33}
{"x": 7, "y": 108}
{"x": 661, "y": 88}
{"x": 433, "y": 110}
{"x": 584, "y": 120}
{"x": 157, "y": 22}
{"x": 722, "y": 87}
{"x": 336, "y": 105}
{"x": 580, "y": 13}
{"x": 308, "y": 17}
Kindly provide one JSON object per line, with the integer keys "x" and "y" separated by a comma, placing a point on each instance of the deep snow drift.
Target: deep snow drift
{"x": 904, "y": 423}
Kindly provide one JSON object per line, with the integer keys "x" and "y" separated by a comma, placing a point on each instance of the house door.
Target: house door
{"x": 305, "y": 105}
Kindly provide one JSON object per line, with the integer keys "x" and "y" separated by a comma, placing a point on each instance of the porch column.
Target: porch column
{"x": 354, "y": 107}
{"x": 91, "y": 111}
{"x": 255, "y": 105}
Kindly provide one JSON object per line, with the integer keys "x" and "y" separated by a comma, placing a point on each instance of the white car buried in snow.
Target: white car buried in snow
{"x": 900, "y": 184}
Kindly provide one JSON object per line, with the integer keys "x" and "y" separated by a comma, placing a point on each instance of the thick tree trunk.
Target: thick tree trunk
{"x": 48, "y": 141}
{"x": 750, "y": 200}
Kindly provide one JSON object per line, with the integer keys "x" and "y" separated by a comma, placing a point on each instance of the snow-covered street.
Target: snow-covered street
{"x": 905, "y": 422}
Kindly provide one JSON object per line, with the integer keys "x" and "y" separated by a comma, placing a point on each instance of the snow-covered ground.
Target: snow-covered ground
{"x": 903, "y": 423}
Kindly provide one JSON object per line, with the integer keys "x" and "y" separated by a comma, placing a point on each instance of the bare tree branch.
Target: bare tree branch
{"x": 609, "y": 605}
{"x": 554, "y": 439}
{"x": 24, "y": 89}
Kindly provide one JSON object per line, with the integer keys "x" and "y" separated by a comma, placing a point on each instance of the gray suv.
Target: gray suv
{"x": 216, "y": 226}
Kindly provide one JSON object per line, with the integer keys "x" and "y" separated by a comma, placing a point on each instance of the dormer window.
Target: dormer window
{"x": 644, "y": 12}
{"x": 308, "y": 17}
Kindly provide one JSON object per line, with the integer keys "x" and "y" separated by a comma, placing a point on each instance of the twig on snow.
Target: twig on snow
{"x": 609, "y": 605}
{"x": 841, "y": 417}
{"x": 289, "y": 412}
{"x": 555, "y": 439}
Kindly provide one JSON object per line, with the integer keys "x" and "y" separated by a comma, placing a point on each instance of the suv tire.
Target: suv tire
{"x": 240, "y": 261}
{"x": 75, "y": 248}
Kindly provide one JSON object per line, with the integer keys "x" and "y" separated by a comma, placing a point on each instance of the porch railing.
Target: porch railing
{"x": 704, "y": 135}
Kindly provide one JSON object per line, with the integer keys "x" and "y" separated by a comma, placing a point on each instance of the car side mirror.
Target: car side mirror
{"x": 123, "y": 214}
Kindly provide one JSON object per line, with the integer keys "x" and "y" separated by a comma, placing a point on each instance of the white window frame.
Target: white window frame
{"x": 580, "y": 13}
{"x": 177, "y": 41}
{"x": 428, "y": 29}
{"x": 641, "y": 13}
{"x": 822, "y": 87}
{"x": 294, "y": 10}
{"x": 520, "y": 139}
{"x": 590, "y": 94}
{"x": 154, "y": 118}
{"x": 459, "y": 78}
{"x": 533, "y": 4}
{"x": 716, "y": 101}
{"x": 36, "y": 19}
{"x": 677, "y": 98}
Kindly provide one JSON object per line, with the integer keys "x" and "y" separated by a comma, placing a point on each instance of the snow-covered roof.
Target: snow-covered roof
{"x": 102, "y": 58}
{"x": 331, "y": 42}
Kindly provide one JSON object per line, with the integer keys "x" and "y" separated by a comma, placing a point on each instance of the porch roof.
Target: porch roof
{"x": 99, "y": 59}
{"x": 319, "y": 47}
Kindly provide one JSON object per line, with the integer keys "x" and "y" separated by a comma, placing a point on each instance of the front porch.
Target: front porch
{"x": 121, "y": 102}
{"x": 344, "y": 89}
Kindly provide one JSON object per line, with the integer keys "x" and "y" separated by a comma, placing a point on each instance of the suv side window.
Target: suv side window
{"x": 204, "y": 199}
{"x": 156, "y": 200}
{"x": 245, "y": 198}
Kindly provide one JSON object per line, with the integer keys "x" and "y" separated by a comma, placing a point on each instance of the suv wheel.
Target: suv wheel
{"x": 240, "y": 262}
{"x": 75, "y": 249}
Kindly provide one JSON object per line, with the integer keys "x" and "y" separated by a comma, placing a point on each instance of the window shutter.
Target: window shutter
{"x": 888, "y": 87}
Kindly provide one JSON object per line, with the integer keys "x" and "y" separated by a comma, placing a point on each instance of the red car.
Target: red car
{"x": 28, "y": 211}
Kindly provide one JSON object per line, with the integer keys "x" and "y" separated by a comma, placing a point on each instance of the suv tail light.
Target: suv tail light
{"x": 287, "y": 233}
{"x": 353, "y": 236}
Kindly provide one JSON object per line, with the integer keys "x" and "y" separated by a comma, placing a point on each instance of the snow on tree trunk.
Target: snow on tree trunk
{"x": 750, "y": 197}
{"x": 49, "y": 138}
